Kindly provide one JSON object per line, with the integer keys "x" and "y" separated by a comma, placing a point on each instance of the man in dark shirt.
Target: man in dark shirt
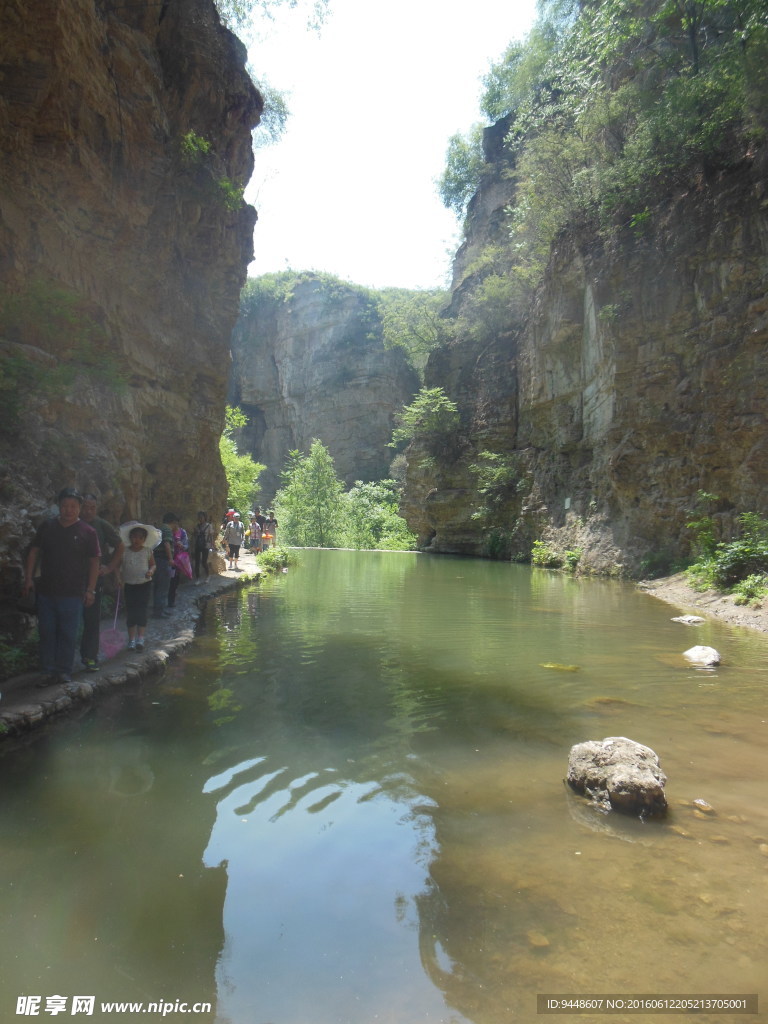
{"x": 69, "y": 555}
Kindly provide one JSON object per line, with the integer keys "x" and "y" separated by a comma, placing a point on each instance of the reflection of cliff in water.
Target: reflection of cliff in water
{"x": 103, "y": 828}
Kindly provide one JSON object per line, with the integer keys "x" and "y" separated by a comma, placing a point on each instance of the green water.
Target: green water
{"x": 346, "y": 805}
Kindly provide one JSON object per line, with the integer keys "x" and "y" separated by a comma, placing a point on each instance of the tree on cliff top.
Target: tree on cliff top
{"x": 614, "y": 103}
{"x": 238, "y": 13}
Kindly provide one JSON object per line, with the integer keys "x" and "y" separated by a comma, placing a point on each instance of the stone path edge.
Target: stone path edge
{"x": 24, "y": 707}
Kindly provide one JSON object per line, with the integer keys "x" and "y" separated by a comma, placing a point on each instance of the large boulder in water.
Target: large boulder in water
{"x": 618, "y": 774}
{"x": 701, "y": 655}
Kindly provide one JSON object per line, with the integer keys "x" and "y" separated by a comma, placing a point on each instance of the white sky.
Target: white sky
{"x": 373, "y": 98}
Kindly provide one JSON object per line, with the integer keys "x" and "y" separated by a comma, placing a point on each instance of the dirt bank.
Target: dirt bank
{"x": 676, "y": 591}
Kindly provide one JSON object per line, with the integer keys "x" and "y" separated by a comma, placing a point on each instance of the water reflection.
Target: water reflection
{"x": 359, "y": 766}
{"x": 104, "y": 893}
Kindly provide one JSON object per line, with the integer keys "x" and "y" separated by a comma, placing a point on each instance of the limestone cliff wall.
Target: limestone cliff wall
{"x": 635, "y": 377}
{"x": 123, "y": 248}
{"x": 314, "y": 366}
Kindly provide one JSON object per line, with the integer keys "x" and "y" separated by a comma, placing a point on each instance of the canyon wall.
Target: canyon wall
{"x": 313, "y": 365}
{"x": 125, "y": 138}
{"x": 635, "y": 377}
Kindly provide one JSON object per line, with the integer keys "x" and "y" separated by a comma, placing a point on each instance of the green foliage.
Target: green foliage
{"x": 613, "y": 105}
{"x": 499, "y": 544}
{"x": 704, "y": 526}
{"x": 276, "y": 288}
{"x": 204, "y": 171}
{"x": 241, "y": 471}
{"x": 520, "y": 78}
{"x": 732, "y": 562}
{"x": 309, "y": 504}
{"x": 230, "y": 194}
{"x": 431, "y": 419}
{"x": 411, "y": 320}
{"x": 463, "y": 170}
{"x": 572, "y": 559}
{"x": 373, "y": 519}
{"x": 274, "y": 116}
{"x": 237, "y": 14}
{"x": 489, "y": 308}
{"x": 497, "y": 480}
{"x": 314, "y": 511}
{"x": 275, "y": 559}
{"x": 194, "y": 148}
{"x": 751, "y": 590}
{"x": 399, "y": 317}
{"x": 545, "y": 557}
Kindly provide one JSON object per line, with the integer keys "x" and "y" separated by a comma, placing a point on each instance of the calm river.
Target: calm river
{"x": 346, "y": 806}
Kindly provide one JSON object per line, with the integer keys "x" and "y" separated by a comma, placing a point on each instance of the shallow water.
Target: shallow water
{"x": 346, "y": 805}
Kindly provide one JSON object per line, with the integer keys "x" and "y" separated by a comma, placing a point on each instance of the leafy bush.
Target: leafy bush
{"x": 704, "y": 527}
{"x": 314, "y": 511}
{"x": 751, "y": 590}
{"x": 373, "y": 519}
{"x": 411, "y": 320}
{"x": 432, "y": 418}
{"x": 241, "y": 471}
{"x": 275, "y": 559}
{"x": 572, "y": 559}
{"x": 545, "y": 557}
{"x": 737, "y": 560}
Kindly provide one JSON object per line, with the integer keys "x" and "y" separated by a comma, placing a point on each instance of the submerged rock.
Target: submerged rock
{"x": 618, "y": 774}
{"x": 700, "y": 655}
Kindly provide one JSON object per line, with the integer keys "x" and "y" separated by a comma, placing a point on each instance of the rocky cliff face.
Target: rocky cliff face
{"x": 314, "y": 366}
{"x": 124, "y": 242}
{"x": 635, "y": 377}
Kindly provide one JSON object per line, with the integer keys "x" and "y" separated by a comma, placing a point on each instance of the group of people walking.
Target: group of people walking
{"x": 72, "y": 553}
{"x": 259, "y": 535}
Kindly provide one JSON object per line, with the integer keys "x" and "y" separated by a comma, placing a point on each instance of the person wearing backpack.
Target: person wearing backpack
{"x": 203, "y": 545}
{"x": 234, "y": 535}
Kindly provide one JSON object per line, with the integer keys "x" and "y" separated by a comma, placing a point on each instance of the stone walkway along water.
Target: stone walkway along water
{"x": 24, "y": 706}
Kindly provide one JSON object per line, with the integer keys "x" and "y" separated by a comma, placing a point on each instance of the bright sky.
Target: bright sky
{"x": 374, "y": 99}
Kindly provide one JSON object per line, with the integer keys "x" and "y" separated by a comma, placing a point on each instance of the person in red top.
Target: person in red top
{"x": 69, "y": 555}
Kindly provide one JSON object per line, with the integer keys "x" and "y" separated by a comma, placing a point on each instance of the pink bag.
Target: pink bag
{"x": 112, "y": 641}
{"x": 183, "y": 564}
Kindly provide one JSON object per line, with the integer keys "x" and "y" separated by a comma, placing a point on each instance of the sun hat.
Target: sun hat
{"x": 152, "y": 539}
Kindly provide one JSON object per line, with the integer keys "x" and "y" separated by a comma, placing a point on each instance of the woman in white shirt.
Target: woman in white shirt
{"x": 138, "y": 570}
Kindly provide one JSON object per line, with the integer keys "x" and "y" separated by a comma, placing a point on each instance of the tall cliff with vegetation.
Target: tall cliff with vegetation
{"x": 125, "y": 143}
{"x": 313, "y": 359}
{"x": 609, "y": 317}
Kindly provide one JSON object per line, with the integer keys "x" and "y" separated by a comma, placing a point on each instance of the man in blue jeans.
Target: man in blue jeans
{"x": 69, "y": 554}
